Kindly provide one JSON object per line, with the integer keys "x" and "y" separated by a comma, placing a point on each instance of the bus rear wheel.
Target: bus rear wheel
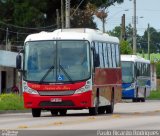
{"x": 110, "y": 108}
{"x": 36, "y": 112}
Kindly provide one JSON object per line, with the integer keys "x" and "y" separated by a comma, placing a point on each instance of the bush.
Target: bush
{"x": 11, "y": 102}
{"x": 158, "y": 69}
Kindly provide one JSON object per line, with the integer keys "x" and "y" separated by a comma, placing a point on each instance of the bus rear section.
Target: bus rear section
{"x": 73, "y": 70}
{"x": 136, "y": 81}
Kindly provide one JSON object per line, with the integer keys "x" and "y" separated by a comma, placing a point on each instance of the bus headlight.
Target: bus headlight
{"x": 29, "y": 90}
{"x": 83, "y": 89}
{"x": 132, "y": 86}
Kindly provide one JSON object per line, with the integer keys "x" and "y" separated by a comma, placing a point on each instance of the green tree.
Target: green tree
{"x": 23, "y": 17}
{"x": 125, "y": 48}
{"x": 116, "y": 32}
{"x": 154, "y": 40}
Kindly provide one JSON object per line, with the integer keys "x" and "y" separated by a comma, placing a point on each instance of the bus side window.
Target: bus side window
{"x": 96, "y": 57}
{"x": 96, "y": 60}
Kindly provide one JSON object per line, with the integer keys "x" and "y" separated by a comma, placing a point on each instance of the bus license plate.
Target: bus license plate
{"x": 56, "y": 100}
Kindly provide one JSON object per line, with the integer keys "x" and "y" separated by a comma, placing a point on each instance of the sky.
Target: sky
{"x": 147, "y": 12}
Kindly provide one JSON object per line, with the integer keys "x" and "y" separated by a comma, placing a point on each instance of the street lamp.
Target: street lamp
{"x": 117, "y": 13}
{"x": 45, "y": 17}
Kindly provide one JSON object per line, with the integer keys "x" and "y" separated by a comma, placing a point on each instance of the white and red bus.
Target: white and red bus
{"x": 70, "y": 69}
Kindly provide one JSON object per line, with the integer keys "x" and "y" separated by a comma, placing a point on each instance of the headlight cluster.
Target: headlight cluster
{"x": 132, "y": 86}
{"x": 85, "y": 88}
{"x": 28, "y": 89}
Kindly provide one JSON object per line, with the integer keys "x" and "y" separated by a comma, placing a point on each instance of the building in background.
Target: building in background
{"x": 8, "y": 72}
{"x": 153, "y": 77}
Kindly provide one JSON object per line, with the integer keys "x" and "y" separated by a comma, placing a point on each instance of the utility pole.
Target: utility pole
{"x": 67, "y": 13}
{"x": 103, "y": 24}
{"x": 148, "y": 42}
{"x": 58, "y": 23}
{"x": 134, "y": 29}
{"x": 123, "y": 30}
{"x": 62, "y": 14}
{"x": 6, "y": 39}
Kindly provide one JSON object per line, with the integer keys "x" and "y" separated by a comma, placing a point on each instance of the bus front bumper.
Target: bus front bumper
{"x": 128, "y": 94}
{"x": 75, "y": 101}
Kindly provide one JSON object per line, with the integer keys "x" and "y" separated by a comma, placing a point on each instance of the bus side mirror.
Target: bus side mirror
{"x": 18, "y": 61}
{"x": 96, "y": 60}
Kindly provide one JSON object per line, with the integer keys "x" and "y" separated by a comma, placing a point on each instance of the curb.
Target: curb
{"x": 14, "y": 111}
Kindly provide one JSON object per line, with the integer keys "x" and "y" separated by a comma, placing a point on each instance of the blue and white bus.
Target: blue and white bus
{"x": 136, "y": 80}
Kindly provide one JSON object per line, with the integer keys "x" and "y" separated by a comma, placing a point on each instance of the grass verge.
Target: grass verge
{"x": 11, "y": 102}
{"x": 155, "y": 95}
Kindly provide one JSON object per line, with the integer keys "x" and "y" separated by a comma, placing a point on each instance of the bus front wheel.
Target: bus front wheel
{"x": 93, "y": 111}
{"x": 54, "y": 112}
{"x": 36, "y": 112}
{"x": 63, "y": 112}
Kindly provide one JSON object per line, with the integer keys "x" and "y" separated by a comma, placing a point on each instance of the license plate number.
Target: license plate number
{"x": 56, "y": 100}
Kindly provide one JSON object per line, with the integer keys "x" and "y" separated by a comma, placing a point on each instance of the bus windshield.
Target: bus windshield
{"x": 56, "y": 61}
{"x": 127, "y": 71}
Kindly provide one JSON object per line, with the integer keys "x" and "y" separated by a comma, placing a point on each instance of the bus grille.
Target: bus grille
{"x": 56, "y": 93}
{"x": 63, "y": 103}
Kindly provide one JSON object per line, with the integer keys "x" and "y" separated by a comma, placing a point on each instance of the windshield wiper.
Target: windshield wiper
{"x": 46, "y": 74}
{"x": 70, "y": 79}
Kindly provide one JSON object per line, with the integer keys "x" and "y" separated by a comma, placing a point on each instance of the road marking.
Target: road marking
{"x": 23, "y": 126}
{"x": 57, "y": 123}
{"x": 116, "y": 116}
{"x": 91, "y": 118}
{"x": 157, "y": 111}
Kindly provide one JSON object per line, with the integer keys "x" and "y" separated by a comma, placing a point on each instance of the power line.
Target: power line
{"x": 13, "y": 31}
{"x": 77, "y": 8}
{"x": 21, "y": 27}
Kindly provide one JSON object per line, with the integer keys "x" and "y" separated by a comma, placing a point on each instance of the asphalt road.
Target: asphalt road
{"x": 127, "y": 116}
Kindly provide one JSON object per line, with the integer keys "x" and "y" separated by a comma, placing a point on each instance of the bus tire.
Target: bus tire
{"x": 134, "y": 100}
{"x": 110, "y": 108}
{"x": 93, "y": 111}
{"x": 54, "y": 112}
{"x": 101, "y": 110}
{"x": 36, "y": 112}
{"x": 62, "y": 112}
